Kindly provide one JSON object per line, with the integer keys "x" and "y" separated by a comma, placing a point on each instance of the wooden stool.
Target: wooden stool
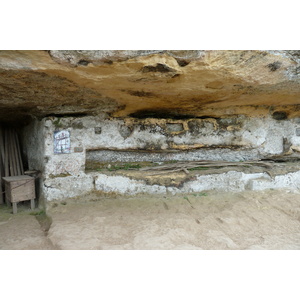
{"x": 19, "y": 188}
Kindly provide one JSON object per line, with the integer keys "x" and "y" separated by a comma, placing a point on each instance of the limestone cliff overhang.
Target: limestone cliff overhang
{"x": 155, "y": 83}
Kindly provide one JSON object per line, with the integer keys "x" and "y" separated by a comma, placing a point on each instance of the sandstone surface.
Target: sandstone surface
{"x": 160, "y": 83}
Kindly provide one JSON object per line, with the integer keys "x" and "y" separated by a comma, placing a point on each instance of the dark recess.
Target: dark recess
{"x": 158, "y": 68}
{"x": 98, "y": 130}
{"x": 12, "y": 117}
{"x": 182, "y": 62}
{"x": 83, "y": 62}
{"x": 164, "y": 114}
{"x": 141, "y": 94}
{"x": 108, "y": 61}
{"x": 279, "y": 115}
{"x": 274, "y": 66}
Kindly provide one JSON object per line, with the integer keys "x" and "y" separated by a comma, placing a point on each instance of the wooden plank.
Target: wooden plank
{"x": 185, "y": 166}
{"x": 23, "y": 192}
{"x": 2, "y": 152}
{"x": 10, "y": 163}
{"x": 19, "y": 154}
{"x": 12, "y": 154}
{"x": 1, "y": 166}
{"x": 19, "y": 188}
{"x": 1, "y": 193}
{"x": 13, "y": 157}
{"x": 16, "y": 156}
{"x": 6, "y": 162}
{"x": 17, "y": 178}
{"x": 7, "y": 193}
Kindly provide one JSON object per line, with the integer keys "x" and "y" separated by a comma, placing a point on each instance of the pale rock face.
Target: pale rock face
{"x": 104, "y": 140}
{"x": 215, "y": 105}
{"x": 150, "y": 83}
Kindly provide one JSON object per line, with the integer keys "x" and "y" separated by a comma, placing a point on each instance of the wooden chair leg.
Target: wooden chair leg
{"x": 15, "y": 209}
{"x": 32, "y": 204}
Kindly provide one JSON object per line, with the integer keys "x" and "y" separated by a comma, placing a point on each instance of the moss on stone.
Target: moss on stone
{"x": 59, "y": 175}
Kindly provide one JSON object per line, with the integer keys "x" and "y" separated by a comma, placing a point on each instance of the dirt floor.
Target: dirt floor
{"x": 246, "y": 220}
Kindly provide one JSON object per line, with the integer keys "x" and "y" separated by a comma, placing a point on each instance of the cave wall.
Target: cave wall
{"x": 33, "y": 142}
{"x": 33, "y": 148}
{"x": 108, "y": 140}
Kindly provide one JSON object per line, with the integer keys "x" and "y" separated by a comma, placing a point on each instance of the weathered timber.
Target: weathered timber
{"x": 19, "y": 155}
{"x": 185, "y": 166}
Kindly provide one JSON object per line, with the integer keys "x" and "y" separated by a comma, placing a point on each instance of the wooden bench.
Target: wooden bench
{"x": 19, "y": 188}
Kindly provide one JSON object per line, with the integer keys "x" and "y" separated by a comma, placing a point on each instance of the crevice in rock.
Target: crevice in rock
{"x": 182, "y": 62}
{"x": 83, "y": 62}
{"x": 140, "y": 93}
{"x": 279, "y": 115}
{"x": 274, "y": 66}
{"x": 166, "y": 114}
{"x": 160, "y": 114}
{"x": 162, "y": 68}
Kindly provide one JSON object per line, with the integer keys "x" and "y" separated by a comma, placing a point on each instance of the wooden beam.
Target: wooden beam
{"x": 1, "y": 165}
{"x": 15, "y": 154}
{"x": 6, "y": 153}
{"x": 19, "y": 154}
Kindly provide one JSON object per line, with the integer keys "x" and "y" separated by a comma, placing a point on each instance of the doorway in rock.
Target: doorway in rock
{"x": 11, "y": 161}
{"x": 14, "y": 166}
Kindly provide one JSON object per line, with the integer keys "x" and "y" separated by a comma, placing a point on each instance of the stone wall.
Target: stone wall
{"x": 33, "y": 142}
{"x": 33, "y": 146}
{"x": 103, "y": 139}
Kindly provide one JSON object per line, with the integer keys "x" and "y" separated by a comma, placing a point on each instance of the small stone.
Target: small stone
{"x": 125, "y": 131}
{"x": 297, "y": 120}
{"x": 98, "y": 130}
{"x": 174, "y": 127}
{"x": 297, "y": 131}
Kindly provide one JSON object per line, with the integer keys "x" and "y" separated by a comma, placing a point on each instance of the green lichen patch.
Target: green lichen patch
{"x": 126, "y": 166}
{"x": 198, "y": 168}
{"x": 115, "y": 166}
{"x": 59, "y": 175}
{"x": 57, "y": 123}
{"x": 38, "y": 213}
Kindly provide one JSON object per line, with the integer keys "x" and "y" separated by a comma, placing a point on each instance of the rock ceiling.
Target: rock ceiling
{"x": 171, "y": 84}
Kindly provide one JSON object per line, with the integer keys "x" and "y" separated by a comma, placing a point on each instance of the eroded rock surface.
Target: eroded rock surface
{"x": 160, "y": 83}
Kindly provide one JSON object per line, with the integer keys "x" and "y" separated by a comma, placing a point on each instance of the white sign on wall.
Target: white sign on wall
{"x": 62, "y": 142}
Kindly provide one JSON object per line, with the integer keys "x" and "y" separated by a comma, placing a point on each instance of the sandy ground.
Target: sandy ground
{"x": 22, "y": 231}
{"x": 246, "y": 220}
